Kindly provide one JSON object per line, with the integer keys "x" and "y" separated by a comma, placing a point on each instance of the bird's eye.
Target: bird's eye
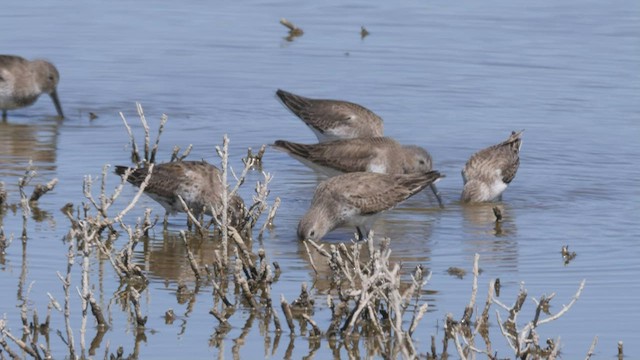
{"x": 421, "y": 162}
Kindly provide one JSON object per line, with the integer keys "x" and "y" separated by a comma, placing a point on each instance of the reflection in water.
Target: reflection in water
{"x": 494, "y": 240}
{"x": 164, "y": 257}
{"x": 20, "y": 143}
{"x": 410, "y": 230}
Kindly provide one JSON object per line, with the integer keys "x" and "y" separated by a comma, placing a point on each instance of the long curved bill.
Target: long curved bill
{"x": 56, "y": 102}
{"x": 437, "y": 194}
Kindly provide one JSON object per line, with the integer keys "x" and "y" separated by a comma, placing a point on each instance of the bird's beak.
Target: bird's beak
{"x": 56, "y": 102}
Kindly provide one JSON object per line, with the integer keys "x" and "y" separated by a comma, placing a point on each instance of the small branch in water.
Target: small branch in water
{"x": 40, "y": 190}
{"x": 592, "y": 348}
{"x": 163, "y": 121}
{"x": 363, "y": 32}
{"x": 498, "y": 213}
{"x": 3, "y": 195}
{"x": 316, "y": 330}
{"x": 255, "y": 159}
{"x": 567, "y": 255}
{"x": 192, "y": 260}
{"x": 176, "y": 150}
{"x": 29, "y": 174}
{"x": 272, "y": 214}
{"x": 294, "y": 31}
{"x": 286, "y": 309}
{"x": 96, "y": 310}
{"x": 135, "y": 154}
{"x": 313, "y": 264}
{"x": 620, "y": 350}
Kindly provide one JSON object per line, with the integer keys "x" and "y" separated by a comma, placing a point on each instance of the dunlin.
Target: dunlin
{"x": 333, "y": 119}
{"x": 197, "y": 182}
{"x": 489, "y": 171}
{"x": 356, "y": 198}
{"x": 374, "y": 154}
{"x": 23, "y": 81}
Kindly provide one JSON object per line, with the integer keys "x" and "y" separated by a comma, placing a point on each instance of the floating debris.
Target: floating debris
{"x": 457, "y": 272}
{"x": 363, "y": 32}
{"x": 498, "y": 213}
{"x": 254, "y": 160}
{"x": 294, "y": 31}
{"x": 93, "y": 116}
{"x": 169, "y": 316}
{"x": 67, "y": 209}
{"x": 4, "y": 243}
{"x": 567, "y": 255}
{"x": 620, "y": 350}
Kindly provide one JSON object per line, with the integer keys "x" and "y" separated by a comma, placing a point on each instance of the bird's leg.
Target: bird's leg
{"x": 360, "y": 236}
{"x": 189, "y": 223}
{"x": 437, "y": 194}
{"x": 165, "y": 223}
{"x": 4, "y": 115}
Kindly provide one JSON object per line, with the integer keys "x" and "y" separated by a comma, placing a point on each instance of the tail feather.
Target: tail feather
{"x": 137, "y": 176}
{"x": 301, "y": 150}
{"x": 417, "y": 182}
{"x": 514, "y": 140}
{"x": 120, "y": 170}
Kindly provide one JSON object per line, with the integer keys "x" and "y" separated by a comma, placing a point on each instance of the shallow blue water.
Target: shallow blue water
{"x": 454, "y": 77}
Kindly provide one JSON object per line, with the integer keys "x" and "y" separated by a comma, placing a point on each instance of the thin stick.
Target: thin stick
{"x": 192, "y": 260}
{"x": 417, "y": 317}
{"x": 163, "y": 121}
{"x": 224, "y": 155}
{"x": 135, "y": 199}
{"x": 270, "y": 217}
{"x": 286, "y": 309}
{"x": 592, "y": 347}
{"x": 316, "y": 329}
{"x": 145, "y": 126}
{"x": 40, "y": 190}
{"x": 313, "y": 264}
{"x": 565, "y": 308}
{"x": 135, "y": 154}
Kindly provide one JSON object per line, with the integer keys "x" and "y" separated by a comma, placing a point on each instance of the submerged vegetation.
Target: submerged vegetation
{"x": 374, "y": 303}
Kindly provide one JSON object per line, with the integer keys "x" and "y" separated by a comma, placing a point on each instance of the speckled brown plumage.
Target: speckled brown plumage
{"x": 377, "y": 154}
{"x": 197, "y": 182}
{"x": 356, "y": 199}
{"x": 333, "y": 119}
{"x": 23, "y": 81}
{"x": 489, "y": 171}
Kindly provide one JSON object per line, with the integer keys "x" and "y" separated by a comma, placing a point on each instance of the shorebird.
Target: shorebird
{"x": 23, "y": 81}
{"x": 356, "y": 199}
{"x": 197, "y": 182}
{"x": 333, "y": 119}
{"x": 374, "y": 154}
{"x": 489, "y": 171}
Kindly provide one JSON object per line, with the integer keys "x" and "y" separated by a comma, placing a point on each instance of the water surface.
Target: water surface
{"x": 454, "y": 77}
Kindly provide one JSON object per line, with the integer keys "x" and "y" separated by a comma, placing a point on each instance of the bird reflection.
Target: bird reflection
{"x": 20, "y": 143}
{"x": 494, "y": 238}
{"x": 403, "y": 249}
{"x": 165, "y": 256}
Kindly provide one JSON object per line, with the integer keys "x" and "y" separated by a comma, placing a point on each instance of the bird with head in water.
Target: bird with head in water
{"x": 197, "y": 182}
{"x": 333, "y": 119}
{"x": 357, "y": 199}
{"x": 489, "y": 171}
{"x": 23, "y": 81}
{"x": 371, "y": 154}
